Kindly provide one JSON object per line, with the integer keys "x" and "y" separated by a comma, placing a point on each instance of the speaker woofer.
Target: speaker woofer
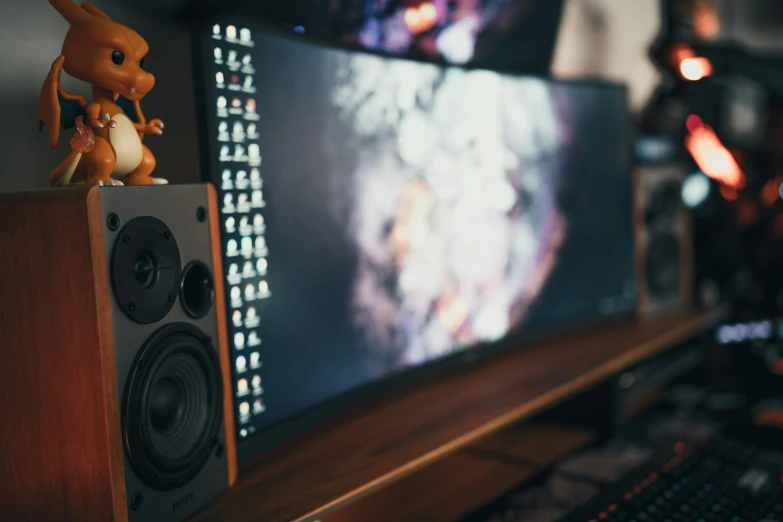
{"x": 172, "y": 406}
{"x": 664, "y": 203}
{"x": 663, "y": 266}
{"x": 145, "y": 269}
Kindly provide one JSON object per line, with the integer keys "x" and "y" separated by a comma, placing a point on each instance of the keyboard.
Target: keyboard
{"x": 720, "y": 481}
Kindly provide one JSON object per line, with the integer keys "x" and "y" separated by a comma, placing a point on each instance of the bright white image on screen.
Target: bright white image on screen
{"x": 468, "y": 182}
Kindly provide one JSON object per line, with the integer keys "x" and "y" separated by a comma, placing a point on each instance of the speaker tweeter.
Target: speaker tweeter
{"x": 197, "y": 292}
{"x": 145, "y": 269}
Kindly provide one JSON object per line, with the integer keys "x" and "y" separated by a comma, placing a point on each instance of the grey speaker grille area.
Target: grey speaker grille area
{"x": 662, "y": 234}
{"x": 178, "y": 207}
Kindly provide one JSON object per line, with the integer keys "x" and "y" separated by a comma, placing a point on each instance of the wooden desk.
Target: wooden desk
{"x": 317, "y": 476}
{"x": 456, "y": 485}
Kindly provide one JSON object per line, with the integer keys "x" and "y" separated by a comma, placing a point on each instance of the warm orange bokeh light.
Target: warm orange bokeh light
{"x": 694, "y": 69}
{"x": 690, "y": 66}
{"x": 428, "y": 12}
{"x": 412, "y": 18}
{"x": 421, "y": 18}
{"x": 706, "y": 22}
{"x": 680, "y": 52}
{"x": 711, "y": 156}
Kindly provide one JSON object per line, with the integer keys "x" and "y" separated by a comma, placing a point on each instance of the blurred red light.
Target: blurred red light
{"x": 771, "y": 191}
{"x": 693, "y": 123}
{"x": 680, "y": 52}
{"x": 728, "y": 194}
{"x": 712, "y": 157}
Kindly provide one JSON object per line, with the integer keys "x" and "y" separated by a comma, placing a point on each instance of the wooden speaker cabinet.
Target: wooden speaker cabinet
{"x": 664, "y": 251}
{"x": 115, "y": 394}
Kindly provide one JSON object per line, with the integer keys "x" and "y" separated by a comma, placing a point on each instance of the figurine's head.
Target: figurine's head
{"x": 102, "y": 52}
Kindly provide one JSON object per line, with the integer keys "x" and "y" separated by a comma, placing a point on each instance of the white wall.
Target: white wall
{"x": 610, "y": 39}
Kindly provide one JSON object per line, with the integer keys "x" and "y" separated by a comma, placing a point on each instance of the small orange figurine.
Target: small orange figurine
{"x": 110, "y": 57}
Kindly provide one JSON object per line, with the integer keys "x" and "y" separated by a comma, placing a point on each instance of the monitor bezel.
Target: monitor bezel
{"x": 349, "y": 404}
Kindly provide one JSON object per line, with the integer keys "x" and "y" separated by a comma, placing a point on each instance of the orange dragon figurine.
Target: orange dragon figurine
{"x": 108, "y": 148}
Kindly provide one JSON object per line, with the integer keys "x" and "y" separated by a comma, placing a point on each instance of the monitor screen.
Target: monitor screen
{"x": 380, "y": 214}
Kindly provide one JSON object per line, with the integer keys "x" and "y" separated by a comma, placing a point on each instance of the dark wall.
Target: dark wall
{"x": 31, "y": 35}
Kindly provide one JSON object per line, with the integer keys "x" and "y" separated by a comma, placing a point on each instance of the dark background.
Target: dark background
{"x": 597, "y": 255}
{"x": 31, "y": 36}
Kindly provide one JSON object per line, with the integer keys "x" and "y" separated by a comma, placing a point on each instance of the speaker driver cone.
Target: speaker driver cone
{"x": 663, "y": 266}
{"x": 172, "y": 406}
{"x": 145, "y": 269}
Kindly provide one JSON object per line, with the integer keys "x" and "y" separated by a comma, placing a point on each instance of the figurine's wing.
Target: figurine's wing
{"x": 71, "y": 107}
{"x": 56, "y": 107}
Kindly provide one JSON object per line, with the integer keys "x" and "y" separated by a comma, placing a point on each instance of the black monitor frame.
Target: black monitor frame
{"x": 351, "y": 403}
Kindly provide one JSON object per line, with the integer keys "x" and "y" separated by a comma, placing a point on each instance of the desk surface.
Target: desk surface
{"x": 339, "y": 465}
{"x": 471, "y": 478}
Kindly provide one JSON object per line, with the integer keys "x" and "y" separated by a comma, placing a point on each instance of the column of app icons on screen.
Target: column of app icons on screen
{"x": 242, "y": 209}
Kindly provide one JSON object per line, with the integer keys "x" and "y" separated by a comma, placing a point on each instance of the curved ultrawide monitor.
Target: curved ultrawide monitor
{"x": 382, "y": 216}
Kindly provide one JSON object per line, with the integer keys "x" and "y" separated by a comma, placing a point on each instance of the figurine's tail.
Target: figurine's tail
{"x": 62, "y": 174}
